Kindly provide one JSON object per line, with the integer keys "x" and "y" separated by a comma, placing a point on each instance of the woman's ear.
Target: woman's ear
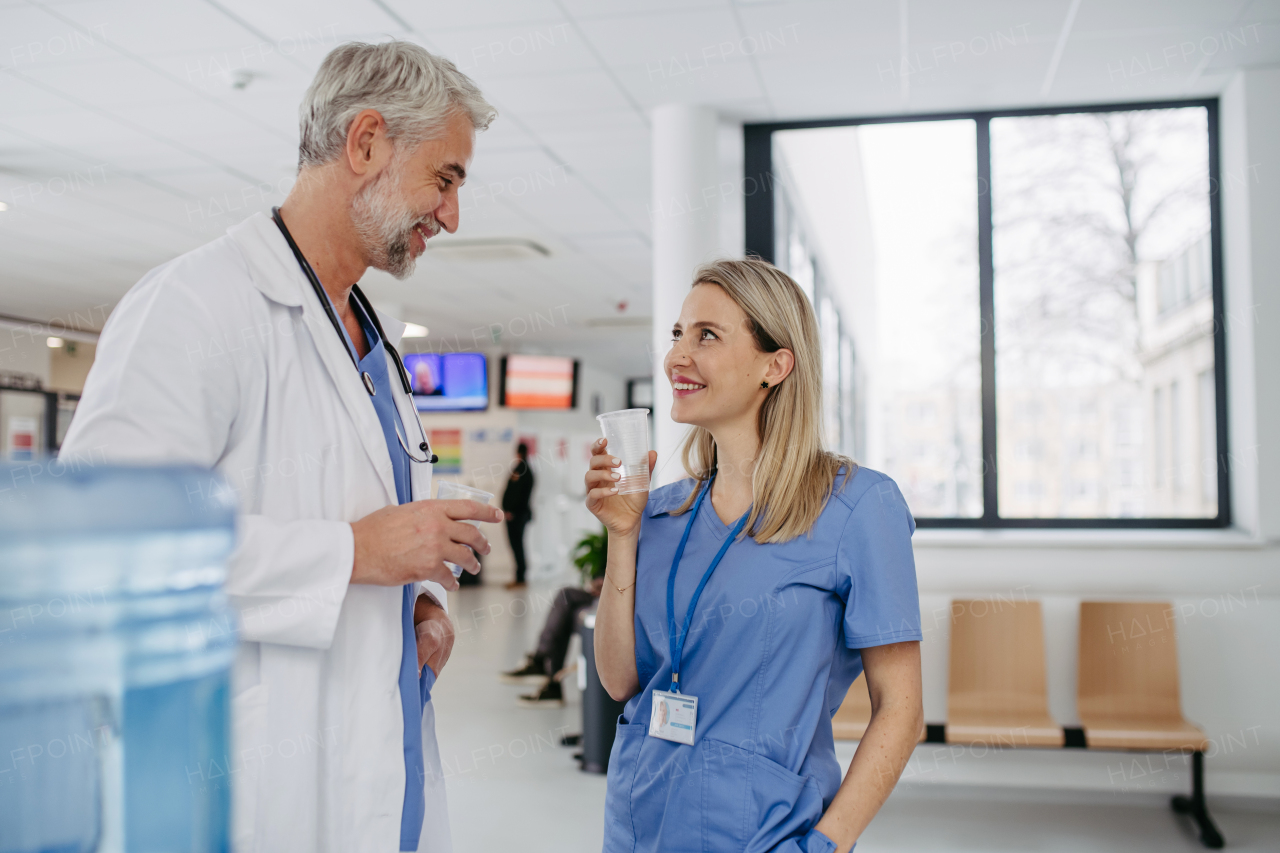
{"x": 780, "y": 366}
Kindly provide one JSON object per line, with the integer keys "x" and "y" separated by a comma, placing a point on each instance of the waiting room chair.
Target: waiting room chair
{"x": 1127, "y": 684}
{"x": 996, "y": 693}
{"x": 1128, "y": 696}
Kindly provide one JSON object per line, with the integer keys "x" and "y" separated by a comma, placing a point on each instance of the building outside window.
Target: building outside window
{"x": 1041, "y": 283}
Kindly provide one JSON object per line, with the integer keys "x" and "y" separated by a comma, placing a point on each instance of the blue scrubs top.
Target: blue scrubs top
{"x": 415, "y": 689}
{"x": 770, "y": 654}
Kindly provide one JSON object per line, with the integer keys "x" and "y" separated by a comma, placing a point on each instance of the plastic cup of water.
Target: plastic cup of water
{"x": 457, "y": 492}
{"x": 627, "y": 434}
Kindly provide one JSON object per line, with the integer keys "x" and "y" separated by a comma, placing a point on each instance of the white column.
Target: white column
{"x": 686, "y": 233}
{"x": 1250, "y": 217}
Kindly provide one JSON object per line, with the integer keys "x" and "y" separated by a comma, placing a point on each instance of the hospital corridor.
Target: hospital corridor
{"x": 684, "y": 426}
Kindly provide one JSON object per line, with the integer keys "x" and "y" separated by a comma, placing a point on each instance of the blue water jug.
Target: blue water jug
{"x": 116, "y": 642}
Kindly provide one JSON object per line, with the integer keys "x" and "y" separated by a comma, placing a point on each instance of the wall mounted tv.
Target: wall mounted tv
{"x": 538, "y": 382}
{"x": 449, "y": 382}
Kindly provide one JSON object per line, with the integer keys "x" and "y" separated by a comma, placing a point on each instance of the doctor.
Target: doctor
{"x": 258, "y": 356}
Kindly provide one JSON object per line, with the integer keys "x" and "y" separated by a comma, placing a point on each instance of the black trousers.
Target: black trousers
{"x": 554, "y": 642}
{"x": 515, "y": 535}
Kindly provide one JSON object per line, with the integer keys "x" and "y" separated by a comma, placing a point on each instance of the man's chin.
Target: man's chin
{"x": 399, "y": 265}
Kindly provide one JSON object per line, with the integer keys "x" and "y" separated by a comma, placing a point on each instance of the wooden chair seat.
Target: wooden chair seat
{"x": 1128, "y": 696}
{"x": 996, "y": 728}
{"x": 1145, "y": 734}
{"x": 996, "y": 691}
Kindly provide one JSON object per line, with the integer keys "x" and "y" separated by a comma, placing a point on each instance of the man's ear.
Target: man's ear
{"x": 781, "y": 363}
{"x": 368, "y": 147}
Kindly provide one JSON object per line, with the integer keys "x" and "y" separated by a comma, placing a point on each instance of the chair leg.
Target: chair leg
{"x": 1196, "y": 807}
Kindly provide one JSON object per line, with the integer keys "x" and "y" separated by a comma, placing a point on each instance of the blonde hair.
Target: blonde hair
{"x": 794, "y": 474}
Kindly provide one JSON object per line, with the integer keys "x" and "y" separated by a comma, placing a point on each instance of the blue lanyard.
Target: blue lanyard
{"x": 677, "y": 640}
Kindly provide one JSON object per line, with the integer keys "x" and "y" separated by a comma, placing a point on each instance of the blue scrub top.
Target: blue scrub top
{"x": 771, "y": 652}
{"x": 415, "y": 689}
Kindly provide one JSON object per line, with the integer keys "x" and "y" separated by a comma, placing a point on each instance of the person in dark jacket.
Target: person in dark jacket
{"x": 515, "y": 506}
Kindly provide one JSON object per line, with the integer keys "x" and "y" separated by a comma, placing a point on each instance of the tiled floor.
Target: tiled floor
{"x": 512, "y": 787}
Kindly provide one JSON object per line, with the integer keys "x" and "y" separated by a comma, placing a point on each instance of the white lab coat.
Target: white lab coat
{"x": 224, "y": 358}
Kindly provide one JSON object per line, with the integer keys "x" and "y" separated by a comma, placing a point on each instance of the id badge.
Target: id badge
{"x": 674, "y": 717}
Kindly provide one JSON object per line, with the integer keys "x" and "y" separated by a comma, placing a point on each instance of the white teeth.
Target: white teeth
{"x": 687, "y": 386}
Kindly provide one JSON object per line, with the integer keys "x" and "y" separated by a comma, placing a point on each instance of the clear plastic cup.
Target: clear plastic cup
{"x": 627, "y": 434}
{"x": 458, "y": 492}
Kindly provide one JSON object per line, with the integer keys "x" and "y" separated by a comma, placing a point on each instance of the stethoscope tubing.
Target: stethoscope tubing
{"x": 367, "y": 307}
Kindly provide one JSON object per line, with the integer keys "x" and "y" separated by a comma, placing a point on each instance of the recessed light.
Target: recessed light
{"x": 3, "y": 206}
{"x": 486, "y": 249}
{"x": 54, "y": 343}
{"x": 413, "y": 330}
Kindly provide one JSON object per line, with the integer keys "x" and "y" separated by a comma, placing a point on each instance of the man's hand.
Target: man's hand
{"x": 397, "y": 545}
{"x": 435, "y": 634}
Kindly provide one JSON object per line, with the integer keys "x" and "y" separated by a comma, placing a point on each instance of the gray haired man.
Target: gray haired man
{"x": 257, "y": 355}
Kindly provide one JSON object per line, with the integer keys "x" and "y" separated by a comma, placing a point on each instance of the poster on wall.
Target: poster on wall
{"x": 447, "y": 445}
{"x": 22, "y": 438}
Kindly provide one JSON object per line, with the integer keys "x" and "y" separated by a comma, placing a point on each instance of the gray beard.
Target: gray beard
{"x": 385, "y": 224}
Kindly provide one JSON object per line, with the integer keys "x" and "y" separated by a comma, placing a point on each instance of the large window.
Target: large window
{"x": 1020, "y": 310}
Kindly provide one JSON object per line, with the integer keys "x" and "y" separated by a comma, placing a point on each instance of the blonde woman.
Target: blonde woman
{"x": 743, "y": 601}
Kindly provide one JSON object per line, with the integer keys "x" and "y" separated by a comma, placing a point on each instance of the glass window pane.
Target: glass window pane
{"x": 1104, "y": 314}
{"x": 891, "y": 213}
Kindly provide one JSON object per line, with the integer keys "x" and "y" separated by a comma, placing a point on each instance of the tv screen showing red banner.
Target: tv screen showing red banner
{"x": 539, "y": 382}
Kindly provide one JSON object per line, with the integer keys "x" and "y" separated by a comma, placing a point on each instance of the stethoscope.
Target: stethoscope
{"x": 424, "y": 446}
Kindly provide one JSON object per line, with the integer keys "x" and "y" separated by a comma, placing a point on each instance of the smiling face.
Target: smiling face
{"x": 715, "y": 365}
{"x": 413, "y": 198}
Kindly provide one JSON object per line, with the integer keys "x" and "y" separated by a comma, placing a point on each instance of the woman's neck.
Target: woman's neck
{"x": 736, "y": 451}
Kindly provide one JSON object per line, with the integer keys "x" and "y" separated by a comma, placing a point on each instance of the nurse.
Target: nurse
{"x": 740, "y": 603}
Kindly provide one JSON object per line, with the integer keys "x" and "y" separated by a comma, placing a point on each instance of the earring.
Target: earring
{"x": 764, "y": 384}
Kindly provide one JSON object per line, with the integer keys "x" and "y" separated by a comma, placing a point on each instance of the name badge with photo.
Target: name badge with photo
{"x": 674, "y": 717}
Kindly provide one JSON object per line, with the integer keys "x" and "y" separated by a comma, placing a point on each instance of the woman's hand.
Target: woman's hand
{"x": 615, "y": 633}
{"x": 620, "y": 514}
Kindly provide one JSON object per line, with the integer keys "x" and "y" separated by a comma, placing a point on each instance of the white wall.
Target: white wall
{"x": 23, "y": 349}
{"x": 563, "y": 440}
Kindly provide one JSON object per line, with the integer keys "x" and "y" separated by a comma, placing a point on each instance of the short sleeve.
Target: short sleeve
{"x": 877, "y": 570}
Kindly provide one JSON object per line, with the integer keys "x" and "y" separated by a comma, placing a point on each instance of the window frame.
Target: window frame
{"x": 759, "y": 242}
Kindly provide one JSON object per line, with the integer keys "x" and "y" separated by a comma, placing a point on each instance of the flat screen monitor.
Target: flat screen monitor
{"x": 448, "y": 382}
{"x": 539, "y": 382}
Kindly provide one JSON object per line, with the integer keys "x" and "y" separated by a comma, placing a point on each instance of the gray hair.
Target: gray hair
{"x": 415, "y": 92}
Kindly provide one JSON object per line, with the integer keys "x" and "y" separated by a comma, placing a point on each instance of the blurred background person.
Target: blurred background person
{"x": 516, "y": 509}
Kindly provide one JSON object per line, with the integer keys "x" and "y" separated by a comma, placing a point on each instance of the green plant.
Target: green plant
{"x": 589, "y": 554}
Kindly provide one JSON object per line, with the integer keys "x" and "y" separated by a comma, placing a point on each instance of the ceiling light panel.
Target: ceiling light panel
{"x": 528, "y": 48}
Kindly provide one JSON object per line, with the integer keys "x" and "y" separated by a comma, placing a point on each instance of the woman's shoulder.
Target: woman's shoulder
{"x": 852, "y": 486}
{"x": 669, "y": 497}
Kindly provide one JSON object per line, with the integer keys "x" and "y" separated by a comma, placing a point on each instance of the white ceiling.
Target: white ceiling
{"x": 123, "y": 141}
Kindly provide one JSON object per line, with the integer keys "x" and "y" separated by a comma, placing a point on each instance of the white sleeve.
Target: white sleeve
{"x": 154, "y": 395}
{"x": 151, "y": 396}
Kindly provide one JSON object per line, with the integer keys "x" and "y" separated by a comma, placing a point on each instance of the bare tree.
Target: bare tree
{"x": 1080, "y": 201}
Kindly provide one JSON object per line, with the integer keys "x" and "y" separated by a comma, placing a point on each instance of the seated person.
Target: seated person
{"x": 545, "y": 664}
